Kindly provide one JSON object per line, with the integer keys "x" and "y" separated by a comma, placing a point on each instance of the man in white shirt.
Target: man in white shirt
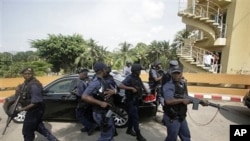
{"x": 127, "y": 69}
{"x": 208, "y": 59}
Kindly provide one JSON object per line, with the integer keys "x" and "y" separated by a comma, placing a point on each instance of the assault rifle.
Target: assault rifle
{"x": 13, "y": 111}
{"x": 197, "y": 101}
{"x": 112, "y": 109}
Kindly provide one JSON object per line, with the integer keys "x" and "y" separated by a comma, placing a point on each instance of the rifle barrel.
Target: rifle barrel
{"x": 216, "y": 106}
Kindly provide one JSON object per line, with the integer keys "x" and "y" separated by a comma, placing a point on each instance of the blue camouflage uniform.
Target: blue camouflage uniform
{"x": 175, "y": 115}
{"x": 83, "y": 109}
{"x": 132, "y": 102}
{"x": 33, "y": 118}
{"x": 99, "y": 113}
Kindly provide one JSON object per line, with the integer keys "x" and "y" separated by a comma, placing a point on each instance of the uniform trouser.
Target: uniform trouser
{"x": 33, "y": 122}
{"x": 84, "y": 116}
{"x": 176, "y": 128}
{"x": 108, "y": 133}
{"x": 133, "y": 117}
{"x": 158, "y": 91}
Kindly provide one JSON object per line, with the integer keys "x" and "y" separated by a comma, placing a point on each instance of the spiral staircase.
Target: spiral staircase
{"x": 204, "y": 20}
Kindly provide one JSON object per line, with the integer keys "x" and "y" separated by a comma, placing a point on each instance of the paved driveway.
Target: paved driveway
{"x": 151, "y": 128}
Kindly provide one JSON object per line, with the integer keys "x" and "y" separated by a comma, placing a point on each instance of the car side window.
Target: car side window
{"x": 63, "y": 86}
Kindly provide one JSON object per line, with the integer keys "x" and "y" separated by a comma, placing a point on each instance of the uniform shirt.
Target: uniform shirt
{"x": 36, "y": 94}
{"x": 81, "y": 86}
{"x": 154, "y": 73}
{"x": 93, "y": 87}
{"x": 110, "y": 80}
{"x": 129, "y": 81}
{"x": 168, "y": 90}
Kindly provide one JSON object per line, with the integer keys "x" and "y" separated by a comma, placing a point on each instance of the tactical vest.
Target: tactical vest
{"x": 25, "y": 95}
{"x": 178, "y": 110}
{"x": 151, "y": 81}
{"x": 100, "y": 92}
{"x": 136, "y": 83}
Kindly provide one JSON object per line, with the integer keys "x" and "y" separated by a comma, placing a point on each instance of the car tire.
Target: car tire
{"x": 19, "y": 118}
{"x": 121, "y": 122}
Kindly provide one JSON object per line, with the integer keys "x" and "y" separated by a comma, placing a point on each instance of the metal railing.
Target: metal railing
{"x": 197, "y": 54}
{"x": 210, "y": 11}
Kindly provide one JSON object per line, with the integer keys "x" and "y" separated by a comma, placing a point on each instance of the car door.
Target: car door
{"x": 60, "y": 102}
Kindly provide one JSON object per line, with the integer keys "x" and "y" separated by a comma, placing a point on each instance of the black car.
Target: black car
{"x": 61, "y": 103}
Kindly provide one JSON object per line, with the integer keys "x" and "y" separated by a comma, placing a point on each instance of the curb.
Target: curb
{"x": 217, "y": 97}
{"x": 1, "y": 100}
{"x": 200, "y": 96}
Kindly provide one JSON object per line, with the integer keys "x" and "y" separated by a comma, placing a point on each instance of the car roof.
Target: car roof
{"x": 116, "y": 75}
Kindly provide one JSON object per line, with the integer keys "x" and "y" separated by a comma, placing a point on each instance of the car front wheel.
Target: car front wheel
{"x": 121, "y": 121}
{"x": 19, "y": 118}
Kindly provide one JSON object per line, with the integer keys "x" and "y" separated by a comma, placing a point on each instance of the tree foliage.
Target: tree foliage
{"x": 73, "y": 52}
{"x": 60, "y": 51}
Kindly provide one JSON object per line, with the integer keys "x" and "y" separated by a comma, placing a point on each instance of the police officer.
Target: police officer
{"x": 97, "y": 93}
{"x": 133, "y": 86}
{"x": 167, "y": 76}
{"x": 175, "y": 107}
{"x": 154, "y": 77}
{"x": 83, "y": 109}
{"x": 110, "y": 80}
{"x": 32, "y": 102}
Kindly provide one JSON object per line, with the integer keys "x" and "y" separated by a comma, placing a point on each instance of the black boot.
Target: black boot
{"x": 131, "y": 132}
{"x": 116, "y": 133}
{"x": 139, "y": 137}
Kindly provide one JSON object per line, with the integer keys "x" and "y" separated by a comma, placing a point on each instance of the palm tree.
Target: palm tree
{"x": 83, "y": 60}
{"x": 179, "y": 39}
{"x": 141, "y": 53}
{"x": 125, "y": 52}
{"x": 155, "y": 50}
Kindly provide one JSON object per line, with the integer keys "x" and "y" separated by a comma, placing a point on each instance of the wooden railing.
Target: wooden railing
{"x": 230, "y": 84}
{"x": 215, "y": 84}
{"x": 8, "y": 85}
{"x": 222, "y": 84}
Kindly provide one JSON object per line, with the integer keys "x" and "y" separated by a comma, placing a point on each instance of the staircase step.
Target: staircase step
{"x": 203, "y": 18}
{"x": 190, "y": 15}
{"x": 196, "y": 17}
{"x": 200, "y": 65}
{"x": 216, "y": 24}
{"x": 210, "y": 21}
{"x": 206, "y": 68}
{"x": 186, "y": 57}
{"x": 194, "y": 63}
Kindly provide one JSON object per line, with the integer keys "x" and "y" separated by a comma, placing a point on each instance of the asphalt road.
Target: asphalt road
{"x": 201, "y": 125}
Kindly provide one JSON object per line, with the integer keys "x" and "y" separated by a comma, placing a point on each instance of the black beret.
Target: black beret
{"x": 83, "y": 70}
{"x": 99, "y": 66}
{"x": 27, "y": 69}
{"x": 176, "y": 69}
